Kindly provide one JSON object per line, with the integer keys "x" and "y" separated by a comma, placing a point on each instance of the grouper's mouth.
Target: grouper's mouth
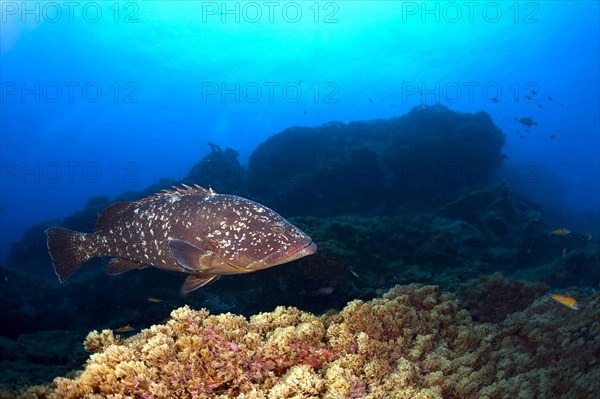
{"x": 305, "y": 251}
{"x": 293, "y": 253}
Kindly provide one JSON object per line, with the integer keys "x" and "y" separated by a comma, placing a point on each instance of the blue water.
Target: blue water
{"x": 103, "y": 97}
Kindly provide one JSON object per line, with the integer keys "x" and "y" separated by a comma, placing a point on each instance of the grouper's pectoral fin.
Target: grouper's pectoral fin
{"x": 195, "y": 259}
{"x": 195, "y": 281}
{"x": 120, "y": 265}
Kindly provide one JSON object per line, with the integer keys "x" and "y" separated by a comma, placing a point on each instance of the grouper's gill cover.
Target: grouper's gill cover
{"x": 189, "y": 230}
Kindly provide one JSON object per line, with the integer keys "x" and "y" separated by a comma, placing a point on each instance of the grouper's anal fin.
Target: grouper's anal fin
{"x": 120, "y": 265}
{"x": 195, "y": 281}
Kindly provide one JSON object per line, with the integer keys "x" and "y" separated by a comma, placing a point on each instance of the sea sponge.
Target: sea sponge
{"x": 414, "y": 342}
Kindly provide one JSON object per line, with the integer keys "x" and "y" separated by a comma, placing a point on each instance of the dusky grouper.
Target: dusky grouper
{"x": 189, "y": 230}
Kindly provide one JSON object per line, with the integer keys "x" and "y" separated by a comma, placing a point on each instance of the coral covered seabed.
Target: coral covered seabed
{"x": 414, "y": 342}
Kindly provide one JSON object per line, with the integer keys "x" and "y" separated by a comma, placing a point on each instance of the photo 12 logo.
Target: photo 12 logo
{"x": 454, "y": 92}
{"x": 71, "y": 92}
{"x": 270, "y": 11}
{"x": 469, "y": 11}
{"x": 71, "y": 172}
{"x": 324, "y": 172}
{"x": 460, "y": 172}
{"x": 271, "y": 92}
{"x": 69, "y": 11}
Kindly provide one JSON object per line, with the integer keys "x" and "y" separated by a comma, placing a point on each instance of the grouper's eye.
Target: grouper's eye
{"x": 278, "y": 229}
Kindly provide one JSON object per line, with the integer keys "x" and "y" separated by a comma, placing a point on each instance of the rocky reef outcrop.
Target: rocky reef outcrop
{"x": 416, "y": 161}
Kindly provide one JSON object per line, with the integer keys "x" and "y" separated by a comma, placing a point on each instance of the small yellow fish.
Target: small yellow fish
{"x": 154, "y": 299}
{"x": 569, "y": 302}
{"x": 560, "y": 232}
{"x": 124, "y": 329}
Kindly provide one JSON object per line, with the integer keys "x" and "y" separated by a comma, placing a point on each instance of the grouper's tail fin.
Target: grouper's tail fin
{"x": 68, "y": 250}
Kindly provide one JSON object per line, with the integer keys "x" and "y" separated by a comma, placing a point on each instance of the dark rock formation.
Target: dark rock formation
{"x": 219, "y": 170}
{"x": 417, "y": 161}
{"x": 492, "y": 298}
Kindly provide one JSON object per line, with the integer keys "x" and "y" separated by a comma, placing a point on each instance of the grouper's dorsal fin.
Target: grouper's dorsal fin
{"x": 176, "y": 192}
{"x": 112, "y": 213}
{"x": 188, "y": 190}
{"x": 118, "y": 209}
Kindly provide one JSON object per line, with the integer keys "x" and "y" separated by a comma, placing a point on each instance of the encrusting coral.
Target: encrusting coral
{"x": 414, "y": 342}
